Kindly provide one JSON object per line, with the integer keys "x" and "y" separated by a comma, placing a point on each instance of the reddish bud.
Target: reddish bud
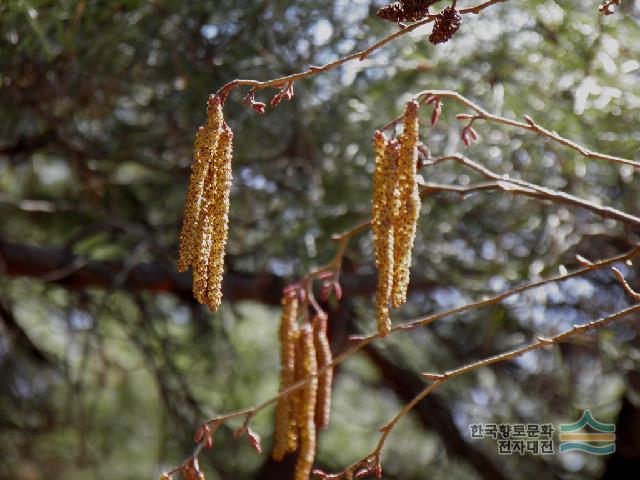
{"x": 289, "y": 93}
{"x": 248, "y": 99}
{"x": 465, "y": 137}
{"x": 464, "y": 116}
{"x": 254, "y": 439}
{"x": 473, "y": 133}
{"x": 431, "y": 99}
{"x": 362, "y": 473}
{"x": 276, "y": 99}
{"x": 259, "y": 107}
{"x": 338, "y": 290}
{"x": 437, "y": 110}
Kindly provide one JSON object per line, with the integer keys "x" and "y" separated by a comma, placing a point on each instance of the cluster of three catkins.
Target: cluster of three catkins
{"x": 396, "y": 207}
{"x": 304, "y": 352}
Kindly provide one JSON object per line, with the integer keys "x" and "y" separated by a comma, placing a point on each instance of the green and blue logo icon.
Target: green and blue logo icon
{"x": 600, "y": 441}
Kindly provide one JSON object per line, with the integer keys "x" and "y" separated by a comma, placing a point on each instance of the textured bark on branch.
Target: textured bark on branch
{"x": 61, "y": 266}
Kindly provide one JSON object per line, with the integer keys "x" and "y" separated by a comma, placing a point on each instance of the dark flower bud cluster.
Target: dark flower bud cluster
{"x": 405, "y": 10}
{"x": 446, "y": 25}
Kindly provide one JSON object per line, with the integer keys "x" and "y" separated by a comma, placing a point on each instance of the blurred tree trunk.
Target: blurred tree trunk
{"x": 626, "y": 458}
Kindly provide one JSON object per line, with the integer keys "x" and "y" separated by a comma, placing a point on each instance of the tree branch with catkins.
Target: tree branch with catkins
{"x": 303, "y": 313}
{"x": 304, "y": 398}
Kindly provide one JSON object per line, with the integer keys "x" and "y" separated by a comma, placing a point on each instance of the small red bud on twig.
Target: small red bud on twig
{"x": 338, "y": 290}
{"x": 473, "y": 133}
{"x": 276, "y": 99}
{"x": 254, "y": 439}
{"x": 437, "y": 111}
{"x": 248, "y": 98}
{"x": 289, "y": 93}
{"x": 465, "y": 137}
{"x": 259, "y": 107}
{"x": 430, "y": 99}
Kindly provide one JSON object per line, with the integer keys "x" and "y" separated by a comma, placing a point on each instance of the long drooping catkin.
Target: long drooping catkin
{"x": 307, "y": 408}
{"x": 406, "y": 217}
{"x": 285, "y": 425}
{"x": 219, "y": 214}
{"x": 396, "y": 207}
{"x": 212, "y": 224}
{"x": 204, "y": 232}
{"x": 204, "y": 146}
{"x": 325, "y": 379}
{"x": 384, "y": 208}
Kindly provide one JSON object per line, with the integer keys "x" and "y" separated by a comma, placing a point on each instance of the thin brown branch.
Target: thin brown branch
{"x": 362, "y": 342}
{"x": 428, "y": 319}
{"x": 371, "y": 463}
{"x": 529, "y": 124}
{"x": 619, "y": 276}
{"x": 521, "y": 187}
{"x": 361, "y": 55}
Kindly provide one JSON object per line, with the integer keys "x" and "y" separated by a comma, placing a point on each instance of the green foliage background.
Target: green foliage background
{"x": 99, "y": 104}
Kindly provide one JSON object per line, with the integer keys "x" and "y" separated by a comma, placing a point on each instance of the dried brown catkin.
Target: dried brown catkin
{"x": 285, "y": 426}
{"x": 325, "y": 379}
{"x": 406, "y": 217}
{"x": 307, "y": 407}
{"x": 204, "y": 146}
{"x": 384, "y": 207}
{"x": 405, "y": 10}
{"x": 445, "y": 26}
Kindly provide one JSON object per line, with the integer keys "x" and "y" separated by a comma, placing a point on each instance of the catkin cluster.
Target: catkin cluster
{"x": 206, "y": 213}
{"x": 303, "y": 352}
{"x": 446, "y": 25}
{"x": 395, "y": 211}
{"x": 405, "y": 10}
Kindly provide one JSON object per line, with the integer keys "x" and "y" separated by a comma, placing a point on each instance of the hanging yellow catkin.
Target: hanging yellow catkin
{"x": 219, "y": 214}
{"x": 384, "y": 208}
{"x": 325, "y": 379}
{"x": 409, "y": 203}
{"x": 204, "y": 146}
{"x": 307, "y": 408}
{"x": 378, "y": 202}
{"x": 210, "y": 217}
{"x": 204, "y": 232}
{"x": 285, "y": 426}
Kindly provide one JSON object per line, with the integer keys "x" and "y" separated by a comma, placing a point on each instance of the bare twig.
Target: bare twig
{"x": 521, "y": 187}
{"x": 361, "y": 55}
{"x": 528, "y": 124}
{"x": 361, "y": 342}
{"x": 371, "y": 463}
{"x": 619, "y": 276}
